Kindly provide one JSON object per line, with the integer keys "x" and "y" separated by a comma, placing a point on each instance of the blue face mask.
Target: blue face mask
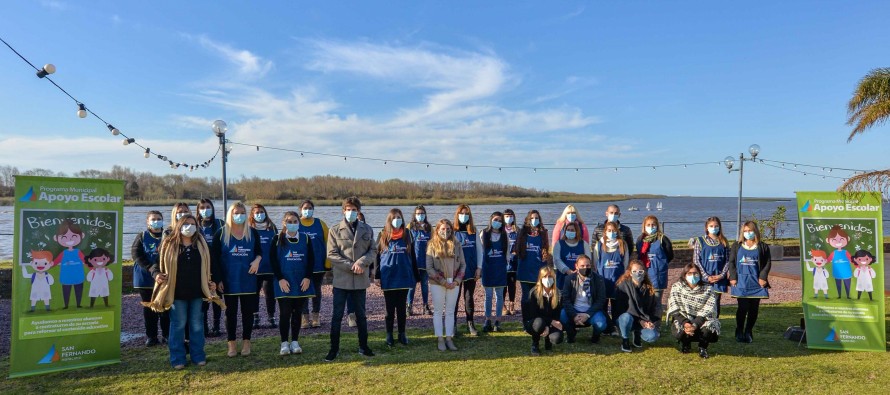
{"x": 651, "y": 230}
{"x": 571, "y": 234}
{"x": 292, "y": 228}
{"x": 496, "y": 224}
{"x": 749, "y": 235}
{"x": 350, "y": 215}
{"x": 611, "y": 235}
{"x": 239, "y": 218}
{"x": 420, "y": 217}
{"x": 396, "y": 223}
{"x": 571, "y": 217}
{"x": 509, "y": 220}
{"x": 693, "y": 279}
{"x": 259, "y": 217}
{"x": 206, "y": 212}
{"x": 463, "y": 218}
{"x": 156, "y": 224}
{"x": 307, "y": 212}
{"x": 715, "y": 230}
{"x": 535, "y": 222}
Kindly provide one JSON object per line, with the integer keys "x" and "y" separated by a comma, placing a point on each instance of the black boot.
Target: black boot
{"x": 272, "y": 323}
{"x": 536, "y": 350}
{"x": 497, "y": 326}
{"x": 409, "y": 310}
{"x": 570, "y": 337}
{"x": 749, "y": 337}
{"x": 638, "y": 340}
{"x": 625, "y": 345}
{"x": 703, "y": 352}
{"x": 389, "y": 341}
{"x": 595, "y": 338}
{"x": 685, "y": 348}
{"x": 739, "y": 336}
{"x": 403, "y": 338}
{"x": 547, "y": 344}
{"x": 487, "y": 327}
{"x": 256, "y": 321}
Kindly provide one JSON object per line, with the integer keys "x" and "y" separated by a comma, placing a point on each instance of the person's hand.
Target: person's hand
{"x": 478, "y": 273}
{"x": 733, "y": 282}
{"x": 304, "y": 285}
{"x": 254, "y": 267}
{"x": 161, "y": 278}
{"x": 212, "y": 286}
{"x": 377, "y": 282}
{"x": 713, "y": 279}
{"x": 762, "y": 282}
{"x": 546, "y": 331}
{"x": 647, "y": 324}
{"x": 284, "y": 285}
{"x": 689, "y": 328}
{"x": 580, "y": 319}
{"x": 357, "y": 268}
{"x": 556, "y": 324}
{"x": 220, "y": 287}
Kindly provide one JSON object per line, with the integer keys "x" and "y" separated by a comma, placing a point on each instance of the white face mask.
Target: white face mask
{"x": 714, "y": 230}
{"x": 749, "y": 235}
{"x": 188, "y": 230}
{"x": 463, "y": 218}
{"x": 571, "y": 217}
{"x": 307, "y": 213}
{"x": 535, "y": 222}
{"x": 612, "y": 217}
{"x": 350, "y": 215}
{"x": 547, "y": 281}
{"x": 651, "y": 229}
{"x": 611, "y": 235}
{"x": 396, "y": 223}
{"x": 509, "y": 220}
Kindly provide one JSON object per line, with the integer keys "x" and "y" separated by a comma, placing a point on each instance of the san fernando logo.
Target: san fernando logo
{"x": 832, "y": 336}
{"x": 30, "y": 196}
{"x": 51, "y": 356}
{"x": 806, "y": 207}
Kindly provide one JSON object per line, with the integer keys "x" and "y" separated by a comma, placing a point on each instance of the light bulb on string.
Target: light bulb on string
{"x": 257, "y": 148}
{"x": 81, "y": 110}
{"x": 113, "y": 130}
{"x": 147, "y": 152}
{"x": 47, "y": 69}
{"x": 129, "y": 141}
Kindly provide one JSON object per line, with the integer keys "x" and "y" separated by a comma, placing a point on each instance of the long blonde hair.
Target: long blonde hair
{"x": 538, "y": 290}
{"x": 570, "y": 209}
{"x": 227, "y": 230}
{"x": 439, "y": 247}
{"x": 176, "y": 208}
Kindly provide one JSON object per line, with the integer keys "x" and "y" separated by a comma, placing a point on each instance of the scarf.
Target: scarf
{"x": 260, "y": 226}
{"x": 644, "y": 250}
{"x": 162, "y": 295}
{"x": 397, "y": 233}
{"x": 689, "y": 303}
{"x": 612, "y": 244}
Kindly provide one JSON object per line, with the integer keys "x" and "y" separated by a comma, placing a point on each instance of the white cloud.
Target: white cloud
{"x": 54, "y": 5}
{"x": 247, "y": 63}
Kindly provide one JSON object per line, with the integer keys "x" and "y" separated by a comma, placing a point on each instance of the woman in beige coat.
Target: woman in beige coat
{"x": 445, "y": 266}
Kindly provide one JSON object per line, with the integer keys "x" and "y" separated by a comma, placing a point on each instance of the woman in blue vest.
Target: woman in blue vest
{"x": 611, "y": 256}
{"x": 395, "y": 274}
{"x": 317, "y": 231}
{"x": 493, "y": 252}
{"x": 466, "y": 236}
{"x": 291, "y": 258}
{"x": 145, "y": 259}
{"x": 512, "y": 231}
{"x": 209, "y": 225}
{"x": 259, "y": 220}
{"x": 532, "y": 251}
{"x": 237, "y": 252}
{"x": 655, "y": 250}
{"x": 420, "y": 230}
{"x": 709, "y": 253}
{"x": 749, "y": 266}
{"x": 566, "y": 251}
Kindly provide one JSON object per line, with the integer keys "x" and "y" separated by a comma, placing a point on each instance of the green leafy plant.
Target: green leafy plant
{"x": 772, "y": 227}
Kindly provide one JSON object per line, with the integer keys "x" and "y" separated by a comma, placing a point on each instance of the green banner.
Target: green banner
{"x": 842, "y": 257}
{"x": 66, "y": 282}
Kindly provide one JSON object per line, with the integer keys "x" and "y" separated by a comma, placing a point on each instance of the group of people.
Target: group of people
{"x": 570, "y": 279}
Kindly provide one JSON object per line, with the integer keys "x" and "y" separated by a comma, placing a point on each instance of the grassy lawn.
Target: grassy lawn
{"x": 498, "y": 363}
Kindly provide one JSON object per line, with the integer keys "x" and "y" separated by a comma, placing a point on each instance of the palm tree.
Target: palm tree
{"x": 869, "y": 106}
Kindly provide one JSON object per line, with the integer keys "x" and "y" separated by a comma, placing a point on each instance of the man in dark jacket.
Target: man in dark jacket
{"x": 624, "y": 232}
{"x": 583, "y": 300}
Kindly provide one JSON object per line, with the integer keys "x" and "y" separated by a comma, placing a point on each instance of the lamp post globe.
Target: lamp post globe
{"x": 754, "y": 149}
{"x": 219, "y": 127}
{"x": 729, "y": 162}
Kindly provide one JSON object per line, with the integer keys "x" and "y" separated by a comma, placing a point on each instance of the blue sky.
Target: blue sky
{"x": 555, "y": 84}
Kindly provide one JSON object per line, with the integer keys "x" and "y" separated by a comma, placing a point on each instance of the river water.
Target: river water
{"x": 683, "y": 217}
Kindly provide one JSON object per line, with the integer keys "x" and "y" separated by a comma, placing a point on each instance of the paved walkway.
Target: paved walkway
{"x": 790, "y": 268}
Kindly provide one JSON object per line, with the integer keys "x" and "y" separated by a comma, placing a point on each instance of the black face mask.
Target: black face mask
{"x": 584, "y": 272}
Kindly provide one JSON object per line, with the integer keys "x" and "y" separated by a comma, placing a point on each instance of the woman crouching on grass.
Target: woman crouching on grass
{"x": 692, "y": 311}
{"x": 540, "y": 312}
{"x": 292, "y": 259}
{"x": 183, "y": 281}
{"x": 635, "y": 307}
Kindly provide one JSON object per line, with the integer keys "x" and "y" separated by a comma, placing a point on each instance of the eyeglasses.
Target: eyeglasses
{"x": 637, "y": 271}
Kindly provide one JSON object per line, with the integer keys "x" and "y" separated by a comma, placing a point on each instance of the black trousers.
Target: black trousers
{"x": 510, "y": 290}
{"x": 248, "y": 304}
{"x": 355, "y": 298}
{"x": 151, "y": 318}
{"x": 536, "y": 328}
{"x": 703, "y": 336}
{"x": 291, "y": 310}
{"x": 396, "y": 308}
{"x": 467, "y": 289}
{"x": 746, "y": 315}
{"x": 317, "y": 280}
{"x": 264, "y": 282}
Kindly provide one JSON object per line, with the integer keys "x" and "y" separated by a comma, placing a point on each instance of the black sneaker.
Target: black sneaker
{"x": 703, "y": 352}
{"x": 151, "y": 342}
{"x": 749, "y": 338}
{"x": 256, "y": 322}
{"x": 497, "y": 326}
{"x": 535, "y": 350}
{"x": 271, "y": 323}
{"x": 332, "y": 355}
{"x": 638, "y": 341}
{"x": 487, "y": 327}
{"x": 595, "y": 338}
{"x": 389, "y": 340}
{"x": 366, "y": 352}
{"x": 625, "y": 345}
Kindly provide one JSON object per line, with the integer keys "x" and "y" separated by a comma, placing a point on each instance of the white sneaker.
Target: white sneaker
{"x": 294, "y": 347}
{"x": 285, "y": 350}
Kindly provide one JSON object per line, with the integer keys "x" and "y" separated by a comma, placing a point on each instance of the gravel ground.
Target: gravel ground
{"x": 132, "y": 328}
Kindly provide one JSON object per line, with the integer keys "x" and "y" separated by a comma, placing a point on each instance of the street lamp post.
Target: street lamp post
{"x": 729, "y": 162}
{"x": 219, "y": 129}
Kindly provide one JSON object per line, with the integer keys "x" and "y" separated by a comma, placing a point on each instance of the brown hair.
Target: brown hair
{"x": 720, "y": 233}
{"x": 621, "y": 247}
{"x": 252, "y": 222}
{"x": 646, "y": 283}
{"x": 68, "y": 225}
{"x": 521, "y": 241}
{"x": 353, "y": 201}
{"x": 471, "y": 228}
{"x": 386, "y": 234}
{"x": 837, "y": 231}
{"x": 753, "y": 226}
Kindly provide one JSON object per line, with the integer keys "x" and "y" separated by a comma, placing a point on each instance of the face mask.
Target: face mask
{"x": 651, "y": 230}
{"x": 445, "y": 234}
{"x": 420, "y": 217}
{"x": 180, "y": 215}
{"x": 350, "y": 215}
{"x": 571, "y": 234}
{"x": 307, "y": 213}
{"x": 156, "y": 224}
{"x": 638, "y": 277}
{"x": 396, "y": 222}
{"x": 239, "y": 218}
{"x": 749, "y": 235}
{"x": 611, "y": 235}
{"x": 292, "y": 228}
{"x": 613, "y": 217}
{"x": 572, "y": 217}
{"x": 714, "y": 230}
{"x": 693, "y": 279}
{"x": 205, "y": 212}
{"x": 463, "y": 218}
{"x": 584, "y": 272}
{"x": 495, "y": 224}
{"x": 259, "y": 217}
{"x": 535, "y": 222}
{"x": 187, "y": 230}
{"x": 509, "y": 220}
{"x": 547, "y": 281}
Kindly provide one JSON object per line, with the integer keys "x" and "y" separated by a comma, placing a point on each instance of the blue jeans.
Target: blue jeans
{"x": 598, "y": 321}
{"x": 492, "y": 292}
{"x": 186, "y": 311}
{"x": 424, "y": 288}
{"x": 355, "y": 298}
{"x": 626, "y": 324}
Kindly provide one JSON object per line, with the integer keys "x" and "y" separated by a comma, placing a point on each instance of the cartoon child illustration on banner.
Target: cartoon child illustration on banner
{"x": 864, "y": 273}
{"x": 841, "y": 268}
{"x": 99, "y": 275}
{"x": 820, "y": 275}
{"x": 71, "y": 261}
{"x": 41, "y": 280}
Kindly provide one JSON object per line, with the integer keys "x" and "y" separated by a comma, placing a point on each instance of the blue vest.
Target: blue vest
{"x": 841, "y": 268}
{"x": 236, "y": 259}
{"x": 396, "y": 271}
{"x": 319, "y": 249}
{"x": 748, "y": 269}
{"x": 611, "y": 266}
{"x": 265, "y": 245}
{"x": 150, "y": 245}
{"x": 527, "y": 269}
{"x": 71, "y": 270}
{"x": 421, "y": 239}
{"x": 494, "y": 267}
{"x": 713, "y": 260}
{"x": 658, "y": 264}
{"x": 569, "y": 256}
{"x": 511, "y": 261}
{"x": 209, "y": 231}
{"x": 292, "y": 258}
{"x": 468, "y": 244}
